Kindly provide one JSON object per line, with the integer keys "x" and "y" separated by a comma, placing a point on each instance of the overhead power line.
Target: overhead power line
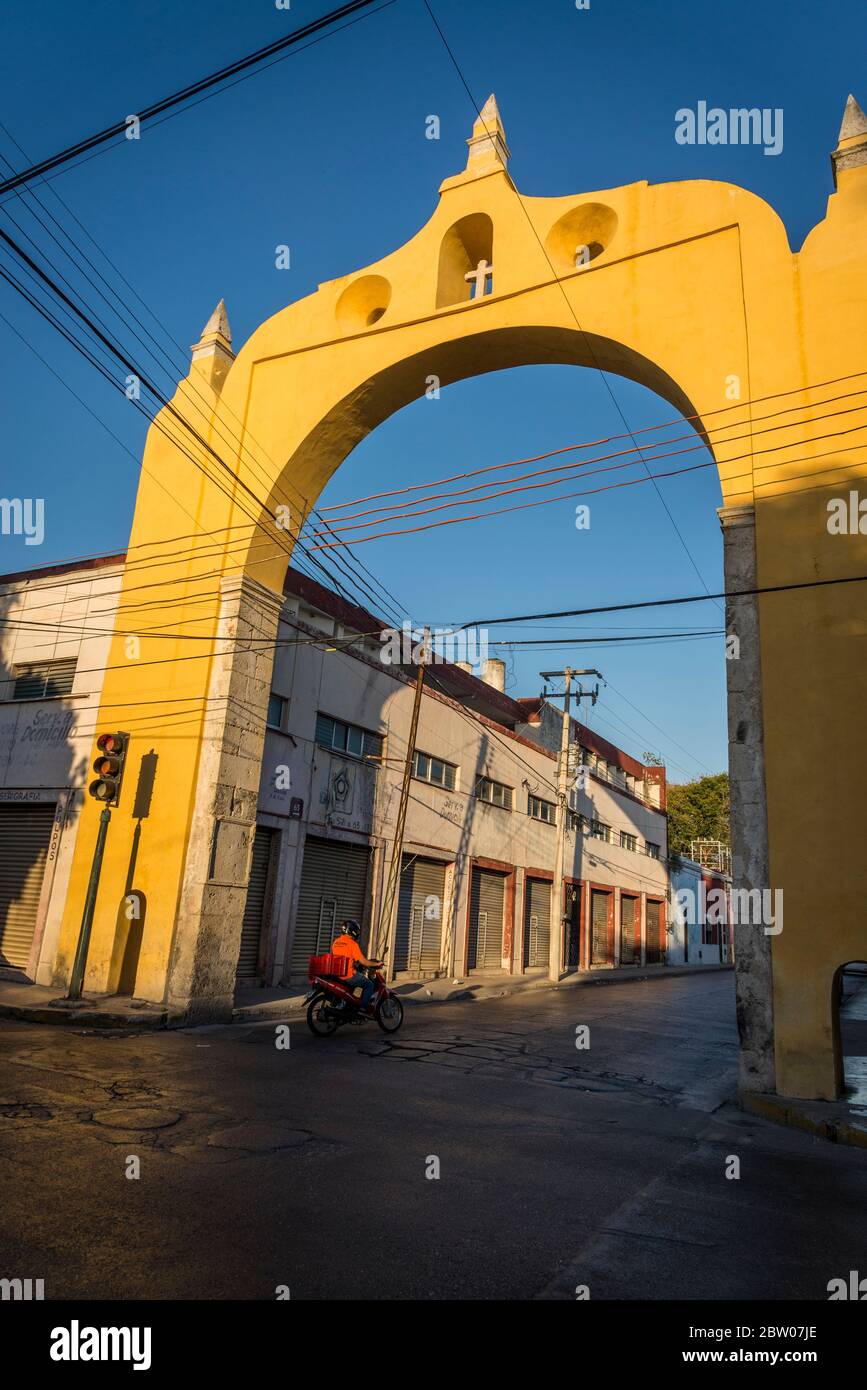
{"x": 563, "y": 477}
{"x": 193, "y": 89}
{"x": 587, "y": 342}
{"x": 615, "y": 438}
{"x": 346, "y": 561}
{"x": 661, "y": 602}
{"x": 132, "y": 565}
{"x": 657, "y": 727}
{"x": 605, "y": 487}
{"x": 119, "y": 355}
{"x": 161, "y": 424}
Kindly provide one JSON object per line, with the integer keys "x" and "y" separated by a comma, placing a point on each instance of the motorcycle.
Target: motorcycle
{"x": 330, "y": 1003}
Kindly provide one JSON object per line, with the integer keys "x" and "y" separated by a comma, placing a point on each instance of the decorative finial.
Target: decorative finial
{"x": 854, "y": 121}
{"x": 218, "y": 323}
{"x": 212, "y": 354}
{"x": 851, "y": 151}
{"x": 488, "y": 148}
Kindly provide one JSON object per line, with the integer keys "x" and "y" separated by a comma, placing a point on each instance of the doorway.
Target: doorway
{"x": 850, "y": 1031}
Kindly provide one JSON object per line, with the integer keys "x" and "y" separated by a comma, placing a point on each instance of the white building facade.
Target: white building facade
{"x": 479, "y": 847}
{"x": 54, "y": 641}
{"x": 475, "y": 890}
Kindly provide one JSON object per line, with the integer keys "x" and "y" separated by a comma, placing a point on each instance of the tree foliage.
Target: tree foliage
{"x": 698, "y": 811}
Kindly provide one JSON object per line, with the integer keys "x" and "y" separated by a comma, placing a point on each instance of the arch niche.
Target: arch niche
{"x": 689, "y": 288}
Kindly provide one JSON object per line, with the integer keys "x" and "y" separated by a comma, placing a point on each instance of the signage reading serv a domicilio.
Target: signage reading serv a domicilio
{"x": 27, "y": 794}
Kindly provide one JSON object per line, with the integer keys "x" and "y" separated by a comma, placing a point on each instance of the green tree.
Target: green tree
{"x": 698, "y": 811}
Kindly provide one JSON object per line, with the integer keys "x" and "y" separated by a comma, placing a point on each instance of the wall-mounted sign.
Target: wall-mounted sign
{"x": 27, "y": 794}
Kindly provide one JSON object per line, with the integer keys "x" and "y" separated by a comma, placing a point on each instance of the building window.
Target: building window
{"x": 578, "y": 822}
{"x": 494, "y": 793}
{"x": 277, "y": 706}
{"x": 428, "y": 769}
{"x": 348, "y": 738}
{"x": 40, "y": 679}
{"x": 651, "y": 850}
{"x": 600, "y": 831}
{"x": 541, "y": 810}
{"x": 628, "y": 841}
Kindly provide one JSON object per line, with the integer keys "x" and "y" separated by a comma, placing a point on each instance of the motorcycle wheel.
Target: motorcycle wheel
{"x": 318, "y": 1023}
{"x": 389, "y": 1013}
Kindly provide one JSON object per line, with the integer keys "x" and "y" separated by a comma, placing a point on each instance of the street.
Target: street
{"x": 305, "y": 1168}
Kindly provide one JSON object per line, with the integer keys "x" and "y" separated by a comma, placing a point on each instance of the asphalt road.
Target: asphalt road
{"x": 306, "y": 1167}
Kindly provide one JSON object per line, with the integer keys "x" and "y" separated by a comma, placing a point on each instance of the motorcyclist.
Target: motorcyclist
{"x": 346, "y": 944}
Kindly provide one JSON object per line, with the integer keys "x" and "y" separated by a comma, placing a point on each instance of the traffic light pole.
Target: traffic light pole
{"x": 80, "y": 962}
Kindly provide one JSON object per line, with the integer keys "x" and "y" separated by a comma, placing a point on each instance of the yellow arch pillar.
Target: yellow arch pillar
{"x": 690, "y": 288}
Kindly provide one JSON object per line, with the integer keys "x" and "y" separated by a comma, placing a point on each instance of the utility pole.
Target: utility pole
{"x": 556, "y": 936}
{"x": 397, "y": 848}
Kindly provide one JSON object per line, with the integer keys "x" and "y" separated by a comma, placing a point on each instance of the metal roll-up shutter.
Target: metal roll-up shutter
{"x": 420, "y": 910}
{"x": 654, "y": 934}
{"x": 537, "y": 922}
{"x": 486, "y": 921}
{"x": 254, "y": 908}
{"x": 25, "y": 834}
{"x": 630, "y": 936}
{"x": 333, "y": 887}
{"x": 599, "y": 928}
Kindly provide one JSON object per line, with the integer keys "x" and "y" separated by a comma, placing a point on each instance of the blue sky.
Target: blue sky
{"x": 325, "y": 151}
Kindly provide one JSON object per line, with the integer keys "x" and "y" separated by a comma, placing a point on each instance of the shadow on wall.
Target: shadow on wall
{"x": 132, "y": 908}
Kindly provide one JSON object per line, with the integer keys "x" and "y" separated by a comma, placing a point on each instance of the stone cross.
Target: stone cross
{"x": 479, "y": 276}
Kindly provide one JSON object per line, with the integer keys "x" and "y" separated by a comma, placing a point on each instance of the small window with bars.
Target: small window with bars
{"x": 628, "y": 841}
{"x": 38, "y": 680}
{"x": 429, "y": 769}
{"x": 600, "y": 831}
{"x": 495, "y": 793}
{"x": 348, "y": 738}
{"x": 651, "y": 850}
{"x": 541, "y": 810}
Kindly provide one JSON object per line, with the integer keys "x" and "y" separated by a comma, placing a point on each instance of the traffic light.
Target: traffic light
{"x": 108, "y": 766}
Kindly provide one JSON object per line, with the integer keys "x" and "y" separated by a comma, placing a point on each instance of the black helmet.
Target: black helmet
{"x": 351, "y": 928}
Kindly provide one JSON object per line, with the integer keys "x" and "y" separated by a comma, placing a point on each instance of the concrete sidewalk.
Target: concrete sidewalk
{"x": 21, "y": 998}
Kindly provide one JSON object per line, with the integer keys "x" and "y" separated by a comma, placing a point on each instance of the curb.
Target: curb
{"x": 145, "y": 1020}
{"x": 836, "y": 1127}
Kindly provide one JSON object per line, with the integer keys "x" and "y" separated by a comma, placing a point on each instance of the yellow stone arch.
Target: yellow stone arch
{"x": 689, "y": 288}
